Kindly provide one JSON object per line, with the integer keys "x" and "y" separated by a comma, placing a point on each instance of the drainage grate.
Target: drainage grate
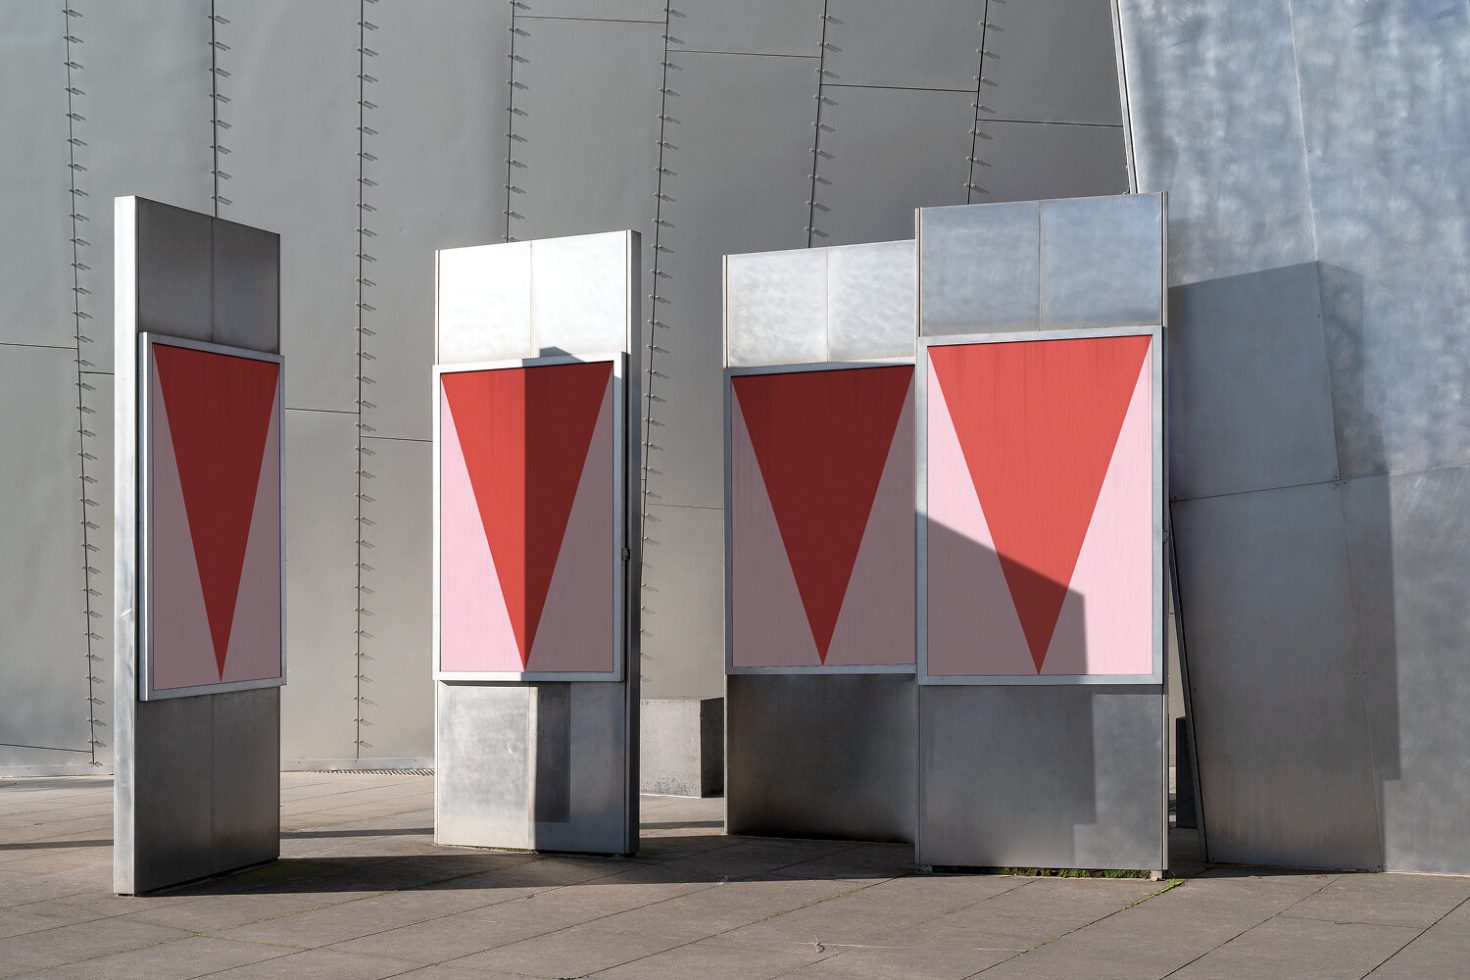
{"x": 375, "y": 772}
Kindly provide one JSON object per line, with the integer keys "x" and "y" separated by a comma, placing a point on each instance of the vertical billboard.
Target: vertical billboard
{"x": 530, "y": 520}
{"x": 212, "y": 607}
{"x": 819, "y": 519}
{"x": 1040, "y": 489}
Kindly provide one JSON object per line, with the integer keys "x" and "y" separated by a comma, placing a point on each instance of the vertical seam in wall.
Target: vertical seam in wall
{"x": 78, "y": 315}
{"x": 510, "y": 119}
{"x": 214, "y": 107}
{"x": 1120, "y": 57}
{"x": 811, "y": 214}
{"x": 979, "y": 83}
{"x": 363, "y": 258}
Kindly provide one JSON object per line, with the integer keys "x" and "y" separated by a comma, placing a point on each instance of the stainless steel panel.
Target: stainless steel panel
{"x": 245, "y": 798}
{"x": 1385, "y": 102}
{"x": 1274, "y": 669}
{"x": 885, "y": 152}
{"x": 174, "y": 262}
{"x": 790, "y": 27}
{"x": 776, "y": 307}
{"x": 483, "y": 303}
{"x": 452, "y": 101}
{"x": 1021, "y": 161}
{"x": 1029, "y": 42}
{"x": 397, "y": 602}
{"x": 43, "y": 653}
{"x": 145, "y": 129}
{"x": 98, "y": 401}
{"x": 246, "y": 294}
{"x": 171, "y": 810}
{"x": 1411, "y": 587}
{"x": 1249, "y": 404}
{"x": 293, "y": 95}
{"x": 594, "y": 767}
{"x": 821, "y": 756}
{"x": 871, "y": 301}
{"x": 979, "y": 269}
{"x": 482, "y": 764}
{"x": 1102, "y": 261}
{"x": 580, "y": 293}
{"x": 683, "y": 600}
{"x": 318, "y": 706}
{"x": 1211, "y": 85}
{"x": 875, "y": 43}
{"x": 36, "y": 273}
{"x": 1055, "y": 777}
{"x": 650, "y": 10}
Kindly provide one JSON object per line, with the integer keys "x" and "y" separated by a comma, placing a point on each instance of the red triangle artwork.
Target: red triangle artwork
{"x": 1043, "y": 427}
{"x": 822, "y": 442}
{"x": 215, "y": 511}
{"x": 517, "y": 451}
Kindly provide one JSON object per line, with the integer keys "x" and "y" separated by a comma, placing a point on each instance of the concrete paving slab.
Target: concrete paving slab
{"x": 1275, "y": 949}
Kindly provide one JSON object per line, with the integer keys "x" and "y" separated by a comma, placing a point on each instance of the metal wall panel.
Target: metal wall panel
{"x": 477, "y": 804}
{"x": 145, "y": 130}
{"x": 649, "y": 10}
{"x": 982, "y": 269}
{"x": 789, "y": 27}
{"x": 246, "y": 289}
{"x": 293, "y": 89}
{"x": 884, "y": 153}
{"x": 1102, "y": 261}
{"x": 98, "y": 399}
{"x": 318, "y": 707}
{"x": 1042, "y": 776}
{"x": 1249, "y": 402}
{"x": 1022, "y": 161}
{"x": 483, "y": 303}
{"x": 1411, "y": 585}
{"x": 1275, "y": 673}
{"x": 776, "y": 307}
{"x": 875, "y": 43}
{"x": 397, "y": 600}
{"x": 580, "y": 295}
{"x": 43, "y": 651}
{"x": 683, "y": 598}
{"x": 828, "y": 755}
{"x": 36, "y": 275}
{"x": 1020, "y": 85}
{"x": 175, "y": 270}
{"x": 1211, "y": 85}
{"x": 870, "y": 301}
{"x": 441, "y": 72}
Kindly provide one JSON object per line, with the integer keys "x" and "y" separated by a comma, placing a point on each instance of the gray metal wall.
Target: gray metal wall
{"x": 368, "y": 134}
{"x": 1313, "y": 152}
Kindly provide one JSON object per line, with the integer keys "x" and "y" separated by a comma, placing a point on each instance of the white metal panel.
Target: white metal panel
{"x": 580, "y": 294}
{"x": 483, "y": 306}
{"x": 1102, "y": 261}
{"x": 776, "y": 307}
{"x": 979, "y": 268}
{"x": 871, "y": 299}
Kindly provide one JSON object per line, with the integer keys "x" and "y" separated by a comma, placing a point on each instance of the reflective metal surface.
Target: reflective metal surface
{"x": 885, "y": 44}
{"x": 981, "y": 268}
{"x": 580, "y": 294}
{"x": 1068, "y": 777}
{"x": 246, "y": 287}
{"x": 482, "y": 765}
{"x": 821, "y": 755}
{"x": 789, "y": 27}
{"x": 1102, "y": 261}
{"x": 1034, "y": 88}
{"x": 776, "y": 307}
{"x": 870, "y": 301}
{"x": 483, "y": 303}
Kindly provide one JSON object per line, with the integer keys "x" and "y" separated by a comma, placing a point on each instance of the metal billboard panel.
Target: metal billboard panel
{"x": 870, "y": 301}
{"x": 212, "y": 603}
{"x": 980, "y": 268}
{"x": 819, "y": 563}
{"x": 1102, "y": 261}
{"x": 482, "y": 303}
{"x": 1050, "y": 572}
{"x": 531, "y": 487}
{"x": 776, "y": 307}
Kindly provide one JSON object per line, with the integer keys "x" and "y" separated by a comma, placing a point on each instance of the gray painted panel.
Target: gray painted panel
{"x": 579, "y": 294}
{"x": 980, "y": 269}
{"x": 174, "y": 263}
{"x": 293, "y": 91}
{"x": 791, "y": 27}
{"x": 875, "y": 43}
{"x": 1022, "y": 82}
{"x": 821, "y": 756}
{"x": 1102, "y": 261}
{"x": 318, "y": 706}
{"x": 245, "y": 798}
{"x": 453, "y": 101}
{"x": 683, "y": 600}
{"x": 652, "y": 10}
{"x": 1058, "y": 777}
{"x": 1037, "y": 161}
{"x": 1274, "y": 675}
{"x": 36, "y": 274}
{"x": 886, "y": 152}
{"x": 1411, "y": 583}
{"x": 1385, "y": 96}
{"x": 1249, "y": 405}
{"x": 397, "y": 575}
{"x": 172, "y": 810}
{"x": 43, "y": 652}
{"x": 776, "y": 307}
{"x": 595, "y": 773}
{"x": 1211, "y": 85}
{"x": 145, "y": 126}
{"x": 871, "y": 301}
{"x": 247, "y": 287}
{"x": 482, "y": 786}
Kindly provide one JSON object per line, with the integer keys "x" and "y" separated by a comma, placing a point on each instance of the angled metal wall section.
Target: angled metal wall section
{"x": 1320, "y": 298}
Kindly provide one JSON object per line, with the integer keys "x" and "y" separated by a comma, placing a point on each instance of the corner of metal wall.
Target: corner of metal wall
{"x": 1120, "y": 59}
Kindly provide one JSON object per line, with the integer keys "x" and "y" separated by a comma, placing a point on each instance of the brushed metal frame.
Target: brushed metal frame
{"x": 921, "y": 523}
{"x": 621, "y": 553}
{"x": 730, "y": 374}
{"x": 146, "y": 367}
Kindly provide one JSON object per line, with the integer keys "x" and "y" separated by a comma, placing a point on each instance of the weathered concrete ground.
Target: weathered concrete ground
{"x": 362, "y": 892}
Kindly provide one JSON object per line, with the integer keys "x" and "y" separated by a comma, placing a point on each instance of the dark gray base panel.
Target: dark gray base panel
{"x": 1040, "y": 776}
{"x": 820, "y": 755}
{"x": 200, "y": 794}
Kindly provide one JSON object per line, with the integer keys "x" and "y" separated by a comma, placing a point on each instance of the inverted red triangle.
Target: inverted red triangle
{"x": 525, "y": 434}
{"x": 1038, "y": 422}
{"x": 821, "y": 439}
{"x": 219, "y": 413}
